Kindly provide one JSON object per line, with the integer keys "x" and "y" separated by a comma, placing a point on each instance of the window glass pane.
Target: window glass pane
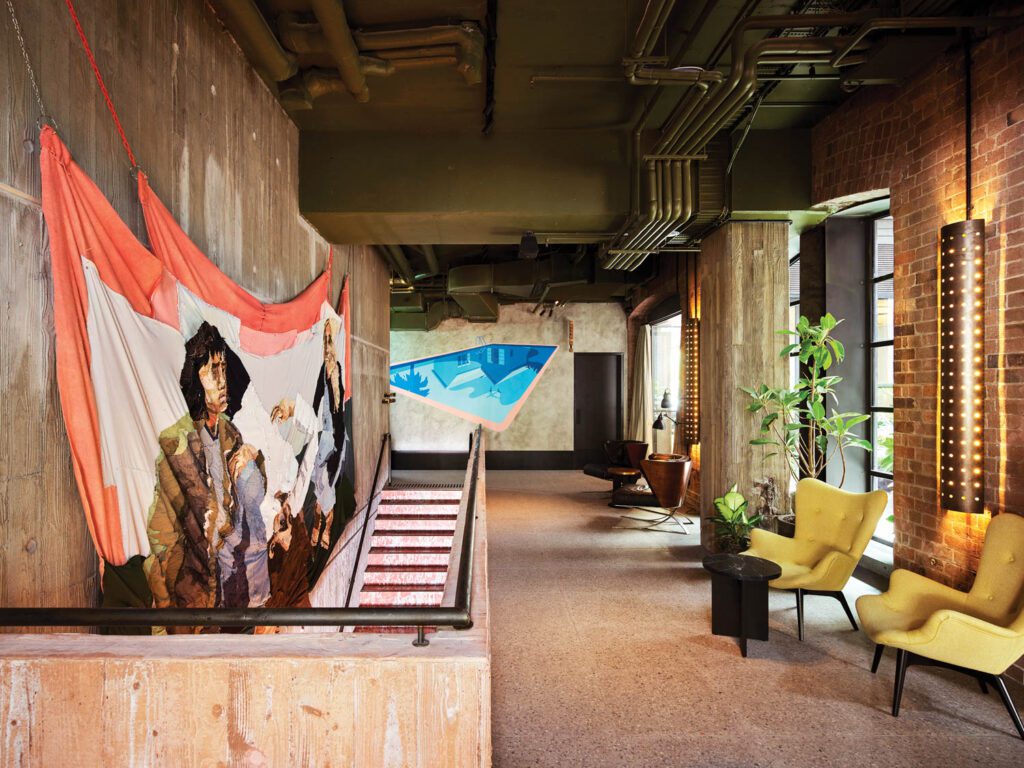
{"x": 885, "y": 530}
{"x": 794, "y": 280}
{"x": 882, "y": 311}
{"x": 666, "y": 340}
{"x": 882, "y": 440}
{"x": 794, "y": 370}
{"x": 881, "y": 373}
{"x": 884, "y": 247}
{"x": 794, "y": 317}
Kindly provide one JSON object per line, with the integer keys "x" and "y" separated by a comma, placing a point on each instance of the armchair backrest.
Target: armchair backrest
{"x": 998, "y": 590}
{"x": 834, "y": 519}
{"x": 668, "y": 479}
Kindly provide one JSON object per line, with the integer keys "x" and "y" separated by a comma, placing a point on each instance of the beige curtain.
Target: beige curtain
{"x": 640, "y": 415}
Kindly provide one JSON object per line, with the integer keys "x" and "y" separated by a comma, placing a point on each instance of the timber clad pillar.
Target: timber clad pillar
{"x": 744, "y": 272}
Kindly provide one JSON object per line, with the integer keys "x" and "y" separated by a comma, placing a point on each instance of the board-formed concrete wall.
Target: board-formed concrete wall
{"x": 223, "y": 156}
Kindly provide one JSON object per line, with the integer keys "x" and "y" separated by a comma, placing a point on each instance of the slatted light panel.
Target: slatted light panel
{"x": 961, "y": 369}
{"x": 690, "y": 424}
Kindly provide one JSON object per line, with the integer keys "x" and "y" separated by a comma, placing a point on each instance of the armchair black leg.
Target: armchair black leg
{"x": 846, "y": 607}
{"x": 1008, "y": 703}
{"x": 879, "y": 649}
{"x": 983, "y": 685}
{"x": 800, "y": 615}
{"x": 902, "y": 658}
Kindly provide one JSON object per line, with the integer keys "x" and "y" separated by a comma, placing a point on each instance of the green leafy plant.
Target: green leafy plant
{"x": 795, "y": 420}
{"x": 732, "y": 524}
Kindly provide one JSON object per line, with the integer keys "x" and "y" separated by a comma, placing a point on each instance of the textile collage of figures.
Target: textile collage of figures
{"x": 210, "y": 433}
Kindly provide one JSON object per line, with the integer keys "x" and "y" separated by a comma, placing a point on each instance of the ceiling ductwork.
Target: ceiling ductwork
{"x": 706, "y": 110}
{"x": 316, "y": 38}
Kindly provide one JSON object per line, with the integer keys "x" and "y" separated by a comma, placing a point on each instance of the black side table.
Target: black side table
{"x": 739, "y": 596}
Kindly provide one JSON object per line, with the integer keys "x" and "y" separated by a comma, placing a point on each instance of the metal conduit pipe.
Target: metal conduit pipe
{"x": 652, "y": 24}
{"x": 789, "y": 21}
{"x": 679, "y": 76}
{"x": 678, "y": 120}
{"x": 655, "y": 178}
{"x": 466, "y": 37}
{"x": 334, "y": 25}
{"x": 674, "y": 206}
{"x": 249, "y": 28}
{"x": 400, "y": 262}
{"x": 658, "y": 198}
{"x": 629, "y": 257}
{"x": 433, "y": 266}
{"x": 741, "y": 84}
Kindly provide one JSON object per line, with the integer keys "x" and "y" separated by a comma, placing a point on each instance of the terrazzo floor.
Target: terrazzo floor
{"x": 603, "y": 656}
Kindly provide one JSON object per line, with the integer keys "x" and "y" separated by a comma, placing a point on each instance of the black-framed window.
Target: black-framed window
{"x": 880, "y": 365}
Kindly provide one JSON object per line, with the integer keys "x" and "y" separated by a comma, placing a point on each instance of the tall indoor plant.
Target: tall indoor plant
{"x": 796, "y": 420}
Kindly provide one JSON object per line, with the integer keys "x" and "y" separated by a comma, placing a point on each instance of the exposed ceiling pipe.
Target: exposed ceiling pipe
{"x": 433, "y": 266}
{"x": 400, "y": 262}
{"x": 250, "y": 30}
{"x": 651, "y": 25}
{"x": 466, "y": 37}
{"x": 334, "y": 26}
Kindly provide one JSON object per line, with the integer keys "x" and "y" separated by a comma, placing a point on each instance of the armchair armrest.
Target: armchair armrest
{"x": 772, "y": 546}
{"x": 960, "y": 639}
{"x": 831, "y": 572}
{"x": 907, "y": 587}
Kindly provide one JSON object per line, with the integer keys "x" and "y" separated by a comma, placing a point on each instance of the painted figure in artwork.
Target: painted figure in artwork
{"x": 207, "y": 533}
{"x": 329, "y": 404}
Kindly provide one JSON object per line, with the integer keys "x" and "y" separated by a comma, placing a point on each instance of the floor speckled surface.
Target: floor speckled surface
{"x": 603, "y": 656}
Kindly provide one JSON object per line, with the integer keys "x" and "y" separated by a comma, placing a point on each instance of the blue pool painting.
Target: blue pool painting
{"x": 486, "y": 385}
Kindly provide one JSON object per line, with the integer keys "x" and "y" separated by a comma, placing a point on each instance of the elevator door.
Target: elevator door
{"x": 597, "y": 402}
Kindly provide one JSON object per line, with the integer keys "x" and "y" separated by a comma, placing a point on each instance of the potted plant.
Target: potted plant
{"x": 795, "y": 420}
{"x": 732, "y": 525}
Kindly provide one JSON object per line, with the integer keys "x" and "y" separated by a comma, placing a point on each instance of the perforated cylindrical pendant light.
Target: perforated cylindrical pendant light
{"x": 961, "y": 366}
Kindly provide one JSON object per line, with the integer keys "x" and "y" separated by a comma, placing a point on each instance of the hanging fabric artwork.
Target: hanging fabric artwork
{"x": 210, "y": 433}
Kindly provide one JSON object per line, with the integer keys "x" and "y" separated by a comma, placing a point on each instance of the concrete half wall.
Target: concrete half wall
{"x": 545, "y": 422}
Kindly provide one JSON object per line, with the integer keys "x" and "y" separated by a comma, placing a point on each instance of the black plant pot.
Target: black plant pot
{"x": 786, "y": 527}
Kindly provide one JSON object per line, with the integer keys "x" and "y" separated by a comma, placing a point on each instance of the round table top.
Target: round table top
{"x": 624, "y": 471}
{"x": 742, "y": 567}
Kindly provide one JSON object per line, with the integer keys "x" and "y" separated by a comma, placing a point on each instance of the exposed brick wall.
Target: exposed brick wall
{"x": 910, "y": 140}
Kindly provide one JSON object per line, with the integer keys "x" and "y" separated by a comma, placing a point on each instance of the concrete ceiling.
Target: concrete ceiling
{"x": 412, "y": 164}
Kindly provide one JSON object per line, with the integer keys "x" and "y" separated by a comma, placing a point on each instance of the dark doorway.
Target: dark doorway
{"x": 597, "y": 395}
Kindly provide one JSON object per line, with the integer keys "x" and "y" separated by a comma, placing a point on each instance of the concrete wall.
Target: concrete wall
{"x": 224, "y": 157}
{"x": 545, "y": 422}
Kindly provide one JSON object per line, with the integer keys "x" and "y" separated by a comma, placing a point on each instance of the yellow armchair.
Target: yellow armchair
{"x": 833, "y": 527}
{"x": 979, "y": 633}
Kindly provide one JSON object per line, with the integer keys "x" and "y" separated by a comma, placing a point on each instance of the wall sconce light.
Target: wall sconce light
{"x": 388, "y": 399}
{"x": 961, "y": 369}
{"x": 690, "y": 423}
{"x": 962, "y": 345}
{"x": 571, "y": 327}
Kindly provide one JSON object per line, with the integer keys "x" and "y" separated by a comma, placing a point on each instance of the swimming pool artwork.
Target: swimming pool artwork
{"x": 485, "y": 385}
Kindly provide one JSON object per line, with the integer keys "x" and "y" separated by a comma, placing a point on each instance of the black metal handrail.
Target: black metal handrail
{"x": 457, "y": 616}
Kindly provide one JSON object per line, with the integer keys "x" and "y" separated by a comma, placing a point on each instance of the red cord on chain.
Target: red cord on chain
{"x": 103, "y": 86}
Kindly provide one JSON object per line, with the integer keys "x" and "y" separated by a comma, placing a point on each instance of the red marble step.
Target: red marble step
{"x": 405, "y": 539}
{"x": 400, "y": 599}
{"x": 418, "y": 508}
{"x": 410, "y": 586}
{"x": 398, "y": 494}
{"x": 444, "y": 523}
{"x": 415, "y": 568}
{"x": 411, "y": 557}
{"x": 399, "y": 576}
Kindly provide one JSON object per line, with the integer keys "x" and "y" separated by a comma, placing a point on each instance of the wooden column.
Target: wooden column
{"x": 744, "y": 300}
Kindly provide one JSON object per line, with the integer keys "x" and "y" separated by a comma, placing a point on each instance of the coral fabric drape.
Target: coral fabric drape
{"x": 83, "y": 225}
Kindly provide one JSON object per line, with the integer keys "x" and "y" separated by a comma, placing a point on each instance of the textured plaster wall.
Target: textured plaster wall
{"x": 545, "y": 422}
